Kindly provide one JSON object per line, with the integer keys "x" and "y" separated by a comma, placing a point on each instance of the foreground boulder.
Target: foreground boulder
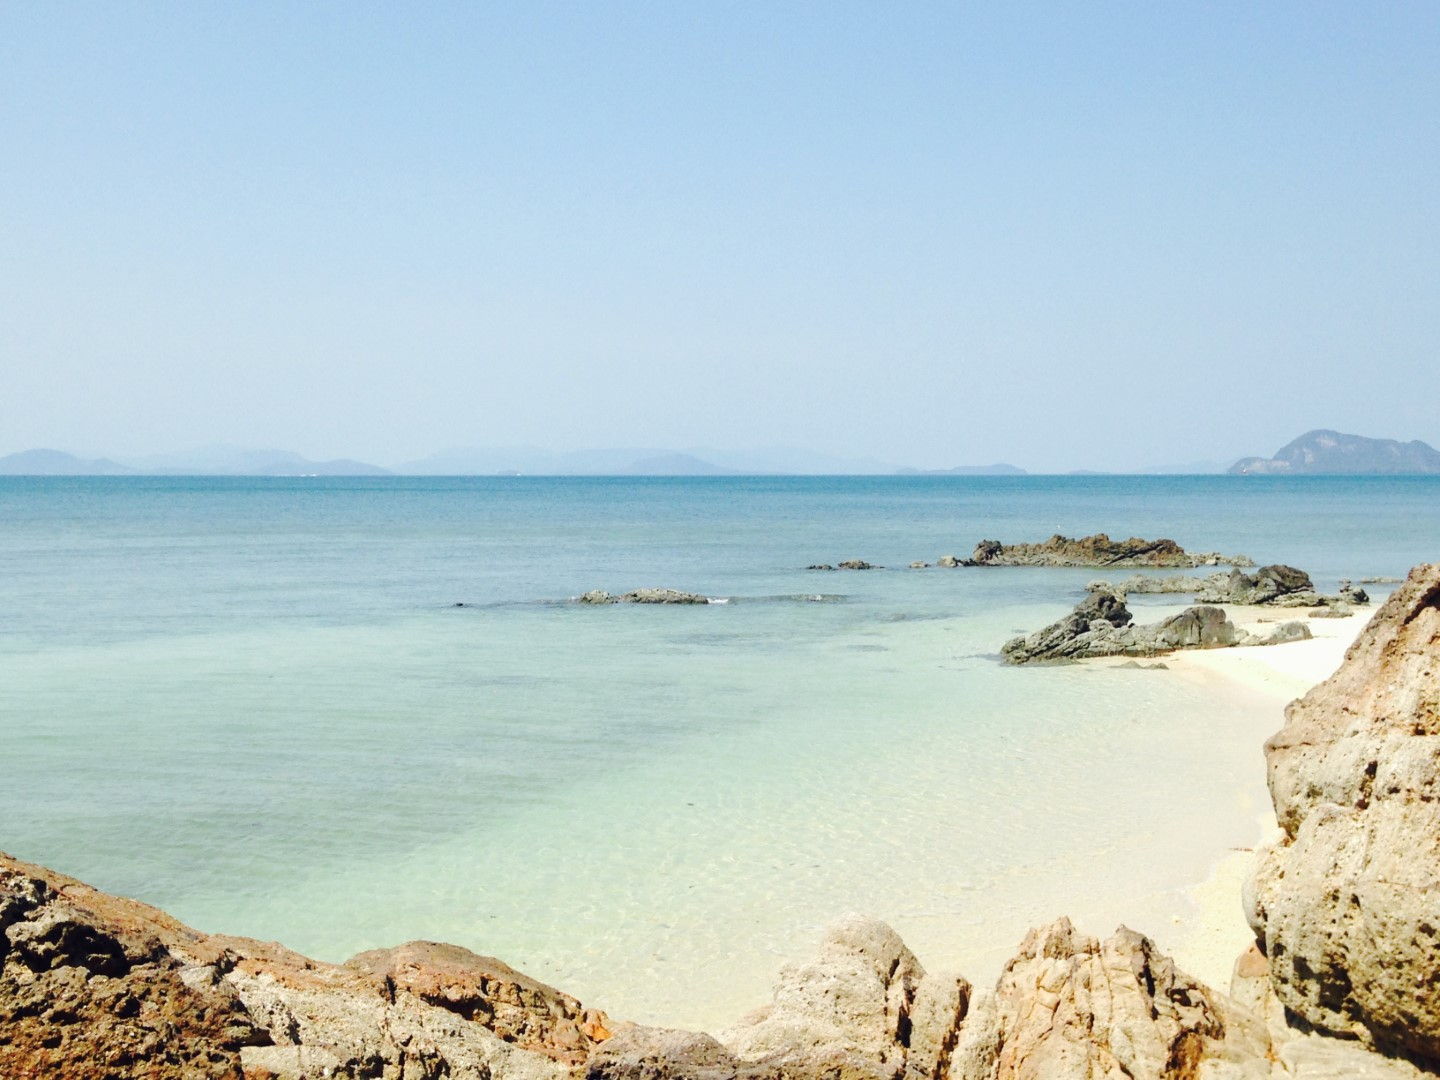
{"x": 94, "y": 986}
{"x": 1097, "y": 551}
{"x": 521, "y": 1010}
{"x": 1347, "y": 906}
{"x": 1069, "y": 1007}
{"x": 1101, "y": 625}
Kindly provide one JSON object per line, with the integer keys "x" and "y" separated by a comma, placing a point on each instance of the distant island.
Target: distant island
{"x": 1325, "y": 452}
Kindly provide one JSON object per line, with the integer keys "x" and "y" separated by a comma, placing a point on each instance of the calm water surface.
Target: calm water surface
{"x": 254, "y": 703}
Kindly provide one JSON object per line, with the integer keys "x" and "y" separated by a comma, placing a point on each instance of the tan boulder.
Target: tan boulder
{"x": 1347, "y": 904}
{"x": 519, "y": 1009}
{"x": 96, "y": 986}
{"x": 1069, "y": 1007}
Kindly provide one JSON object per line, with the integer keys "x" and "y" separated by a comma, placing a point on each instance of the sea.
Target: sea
{"x": 344, "y": 713}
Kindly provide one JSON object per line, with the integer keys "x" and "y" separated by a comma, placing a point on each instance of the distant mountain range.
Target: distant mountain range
{"x": 1321, "y": 451}
{"x": 212, "y": 461}
{"x": 1325, "y": 452}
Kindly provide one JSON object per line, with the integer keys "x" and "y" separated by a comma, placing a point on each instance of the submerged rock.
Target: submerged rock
{"x": 820, "y": 566}
{"x": 1101, "y": 625}
{"x": 857, "y": 564}
{"x": 1347, "y": 905}
{"x": 948, "y": 561}
{"x": 643, "y": 596}
{"x": 1098, "y": 550}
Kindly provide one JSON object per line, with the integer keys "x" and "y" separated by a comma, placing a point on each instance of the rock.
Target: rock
{"x": 1347, "y": 905}
{"x": 852, "y": 1008}
{"x": 1351, "y": 593}
{"x": 857, "y": 564}
{"x": 1277, "y": 585}
{"x": 1097, "y": 550}
{"x": 948, "y": 561}
{"x": 1282, "y": 634}
{"x": 519, "y": 1009}
{"x": 1069, "y": 1007}
{"x": 94, "y": 986}
{"x": 643, "y": 596}
{"x": 647, "y": 1053}
{"x": 1143, "y": 583}
{"x": 88, "y": 989}
{"x": 919, "y": 565}
{"x": 1381, "y": 580}
{"x": 1335, "y": 611}
{"x": 819, "y": 566}
{"x": 1100, "y": 625}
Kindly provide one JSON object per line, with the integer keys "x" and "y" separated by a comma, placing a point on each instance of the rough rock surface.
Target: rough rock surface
{"x": 1101, "y": 625}
{"x": 643, "y": 596}
{"x": 1098, "y": 550}
{"x": 1069, "y": 1007}
{"x": 1277, "y": 586}
{"x": 853, "y": 1007}
{"x": 519, "y": 1009}
{"x": 1347, "y": 905}
{"x": 94, "y": 986}
{"x": 1144, "y": 583}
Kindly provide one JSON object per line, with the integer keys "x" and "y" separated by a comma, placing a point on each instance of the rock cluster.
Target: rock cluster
{"x": 93, "y": 986}
{"x": 643, "y": 596}
{"x": 848, "y": 564}
{"x": 1101, "y": 625}
{"x": 1347, "y": 906}
{"x": 1097, "y": 551}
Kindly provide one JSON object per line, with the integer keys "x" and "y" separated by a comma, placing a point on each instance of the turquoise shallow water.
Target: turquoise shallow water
{"x": 253, "y": 703}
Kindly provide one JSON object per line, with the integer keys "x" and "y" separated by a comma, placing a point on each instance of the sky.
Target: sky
{"x": 1092, "y": 235}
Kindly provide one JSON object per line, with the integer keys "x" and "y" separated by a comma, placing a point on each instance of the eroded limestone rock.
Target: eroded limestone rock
{"x": 95, "y": 986}
{"x": 1347, "y": 905}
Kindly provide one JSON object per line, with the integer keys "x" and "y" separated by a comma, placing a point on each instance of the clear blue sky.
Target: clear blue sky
{"x": 1063, "y": 235}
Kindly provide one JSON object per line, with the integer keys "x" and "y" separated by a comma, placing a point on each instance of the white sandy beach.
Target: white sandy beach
{"x": 1210, "y": 931}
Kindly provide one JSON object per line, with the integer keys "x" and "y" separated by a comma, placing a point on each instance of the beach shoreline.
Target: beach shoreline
{"x": 1209, "y": 932}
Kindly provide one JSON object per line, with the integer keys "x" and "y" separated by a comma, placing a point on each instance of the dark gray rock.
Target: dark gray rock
{"x": 1098, "y": 551}
{"x": 1276, "y": 585}
{"x": 1101, "y": 625}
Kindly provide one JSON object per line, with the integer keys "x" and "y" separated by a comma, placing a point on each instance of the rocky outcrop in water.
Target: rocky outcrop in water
{"x": 1101, "y": 625}
{"x": 1347, "y": 905}
{"x": 1097, "y": 551}
{"x": 1144, "y": 583}
{"x": 643, "y": 596}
